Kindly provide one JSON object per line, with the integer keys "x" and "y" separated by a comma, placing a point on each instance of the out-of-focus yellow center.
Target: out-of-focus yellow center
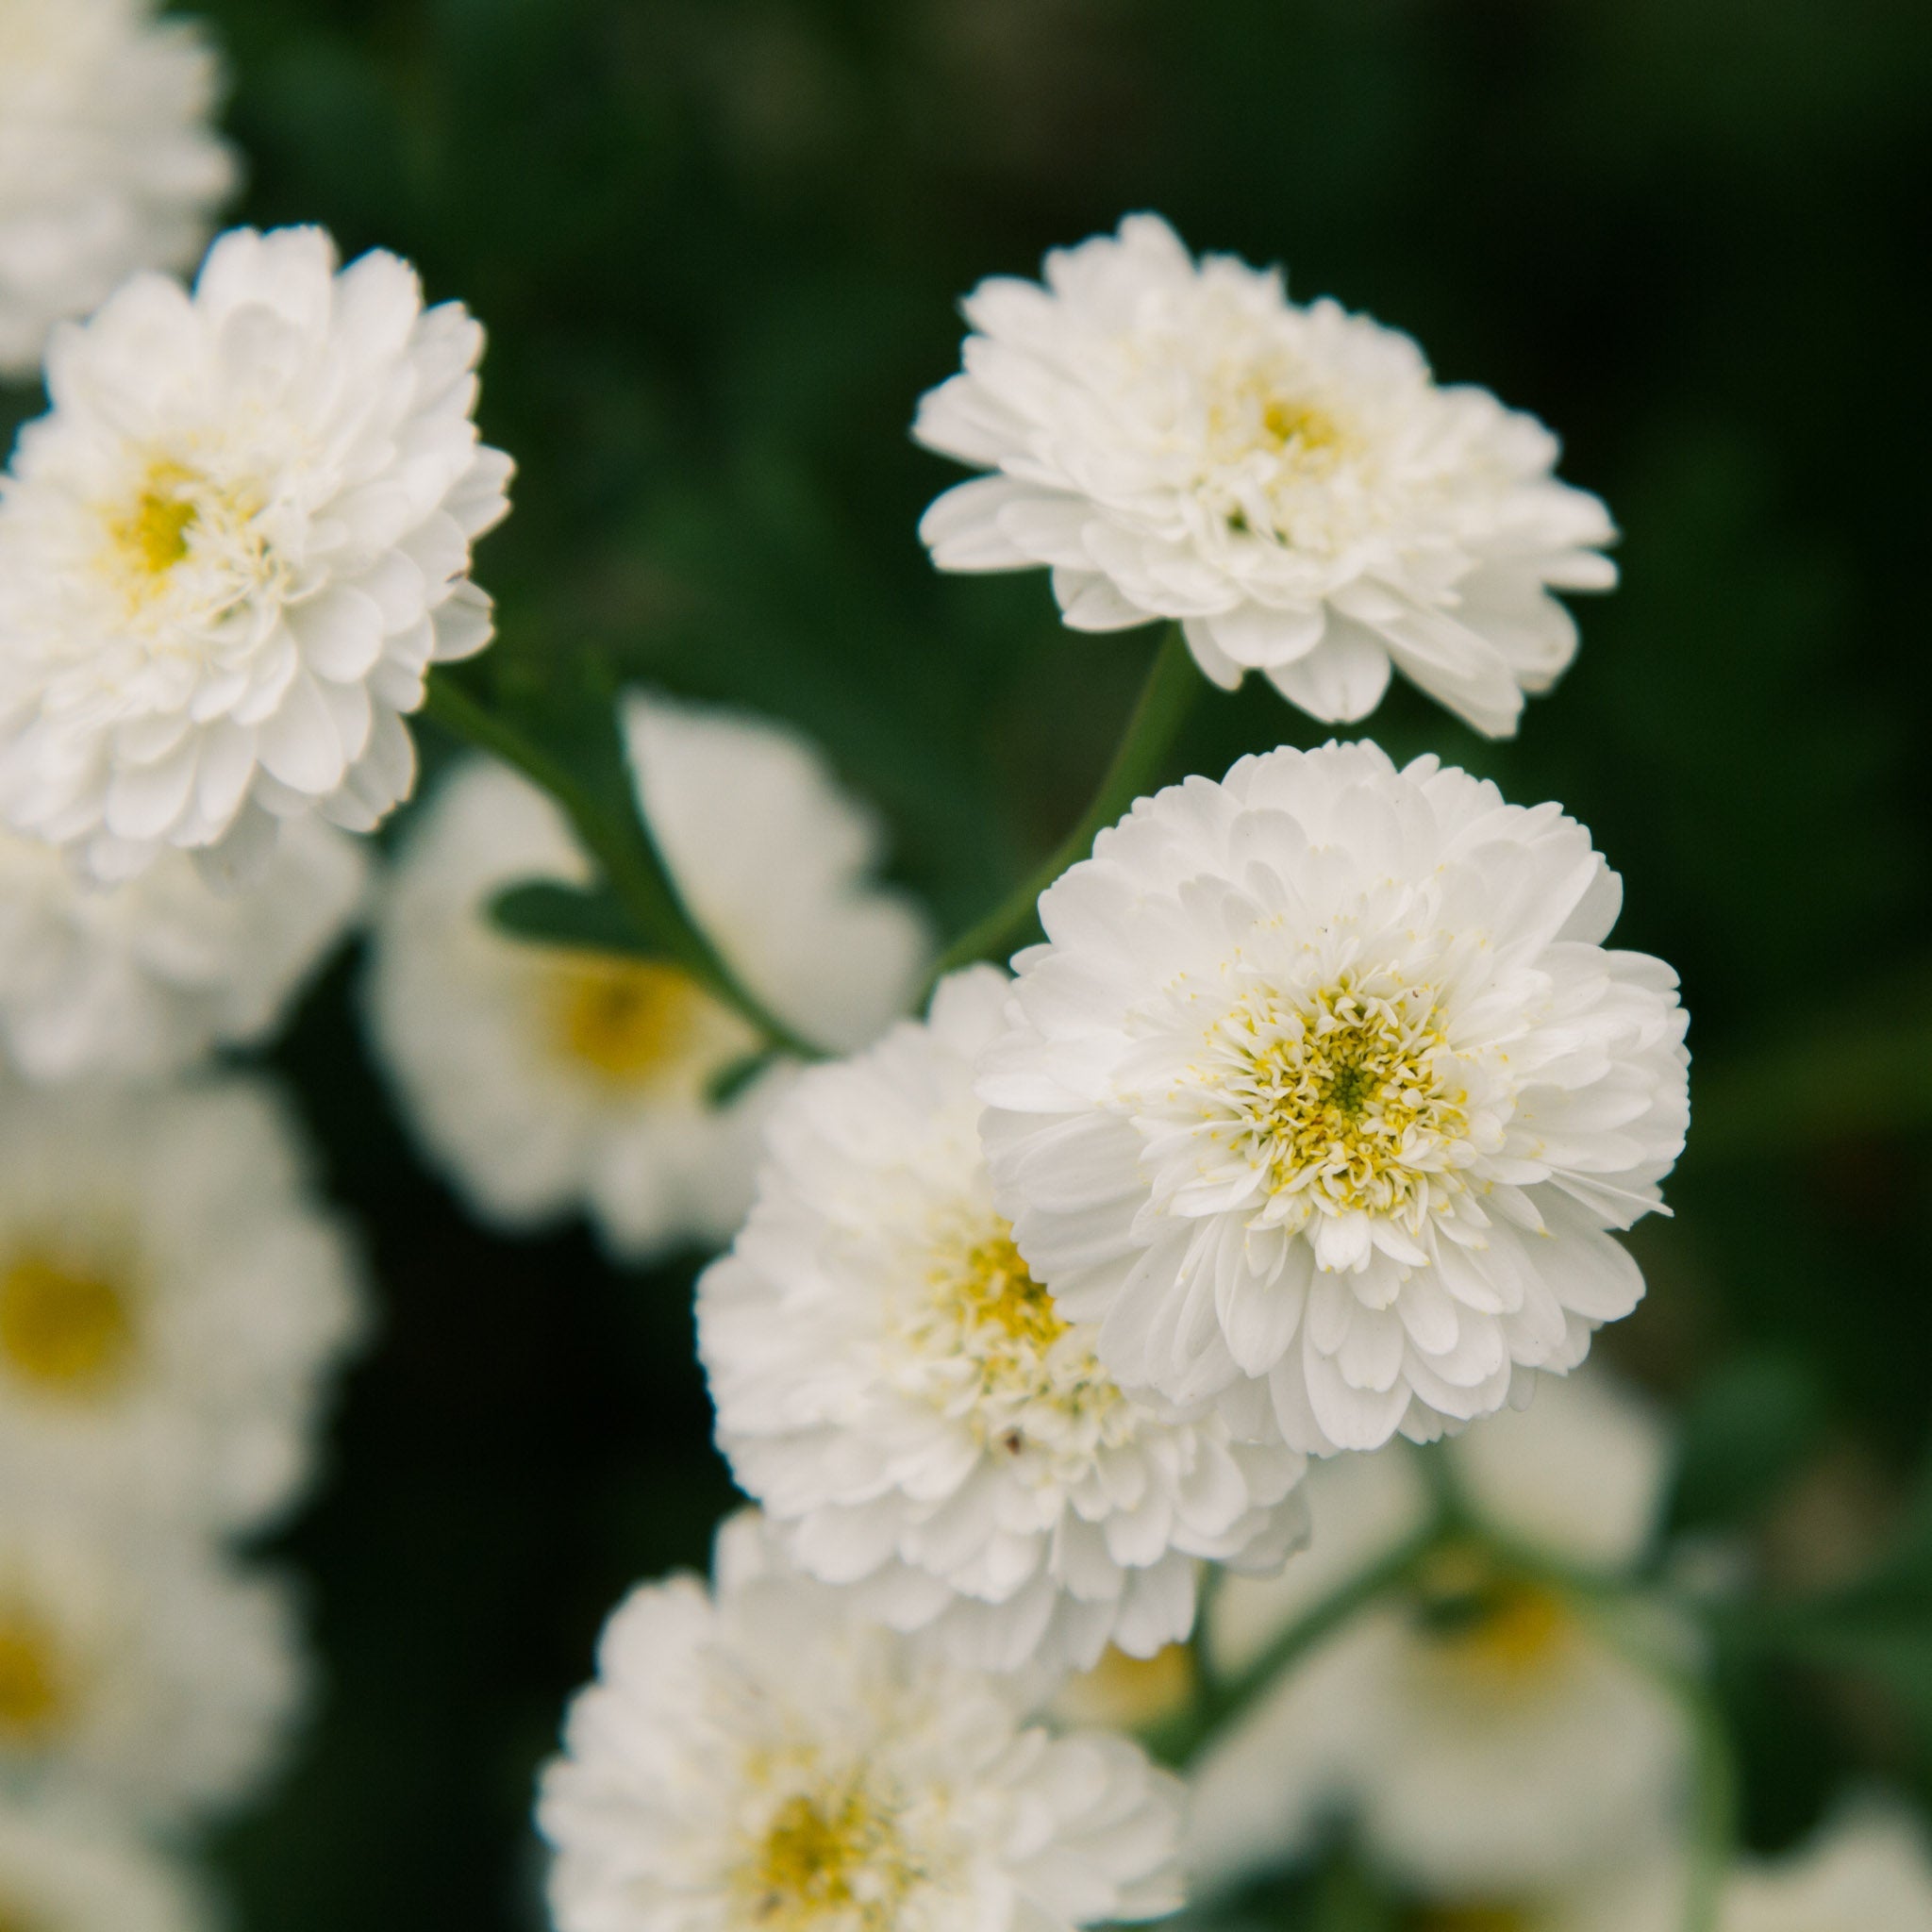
{"x": 1485, "y": 1628}
{"x": 33, "y": 1697}
{"x": 829, "y": 1855}
{"x": 65, "y": 1330}
{"x": 1286, "y": 420}
{"x": 13, "y": 1921}
{"x": 1130, "y": 1693}
{"x": 151, "y": 536}
{"x": 626, "y": 1021}
{"x": 997, "y": 1291}
{"x": 1471, "y": 1919}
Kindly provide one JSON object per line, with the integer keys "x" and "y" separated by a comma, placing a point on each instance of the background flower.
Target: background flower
{"x": 77, "y": 1870}
{"x": 547, "y": 1078}
{"x": 1181, "y": 440}
{"x": 231, "y": 552}
{"x": 915, "y": 1416}
{"x": 107, "y": 161}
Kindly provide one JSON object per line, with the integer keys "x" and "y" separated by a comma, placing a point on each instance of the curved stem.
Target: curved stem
{"x": 1173, "y": 684}
{"x": 615, "y": 834}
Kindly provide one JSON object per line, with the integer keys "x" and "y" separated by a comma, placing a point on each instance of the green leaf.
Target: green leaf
{"x": 549, "y": 913}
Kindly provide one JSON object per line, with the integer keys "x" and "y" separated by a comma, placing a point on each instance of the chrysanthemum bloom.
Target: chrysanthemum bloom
{"x": 107, "y": 161}
{"x": 233, "y": 549}
{"x": 1179, "y": 440}
{"x": 762, "y": 1757}
{"x": 67, "y": 1869}
{"x": 145, "y": 978}
{"x": 1322, "y": 1094}
{"x": 544, "y": 1080}
{"x": 139, "y": 1668}
{"x": 172, "y": 1299}
{"x": 915, "y": 1416}
{"x": 1488, "y": 1741}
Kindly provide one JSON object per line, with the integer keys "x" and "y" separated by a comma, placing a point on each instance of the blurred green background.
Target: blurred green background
{"x": 718, "y": 244}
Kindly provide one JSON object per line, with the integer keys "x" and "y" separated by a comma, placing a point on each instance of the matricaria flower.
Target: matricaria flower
{"x": 543, "y": 1078}
{"x": 1324, "y": 1092}
{"x": 142, "y": 1670}
{"x": 760, "y": 1757}
{"x": 913, "y": 1413}
{"x": 1179, "y": 440}
{"x": 147, "y": 977}
{"x": 233, "y": 549}
{"x": 70, "y": 1869}
{"x": 171, "y": 1301}
{"x": 1488, "y": 1741}
{"x": 108, "y": 162}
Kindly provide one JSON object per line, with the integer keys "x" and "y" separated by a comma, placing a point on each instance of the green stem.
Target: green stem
{"x": 1173, "y": 684}
{"x": 1219, "y": 1702}
{"x": 615, "y": 834}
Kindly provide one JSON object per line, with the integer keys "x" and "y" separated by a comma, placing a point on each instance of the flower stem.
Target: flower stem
{"x": 614, "y": 833}
{"x": 1166, "y": 698}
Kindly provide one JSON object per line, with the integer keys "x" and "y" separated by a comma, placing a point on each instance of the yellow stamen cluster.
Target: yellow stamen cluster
{"x": 33, "y": 1697}
{"x": 1487, "y": 1631}
{"x": 629, "y": 1022}
{"x": 65, "y": 1330}
{"x": 1346, "y": 1098}
{"x": 996, "y": 1289}
{"x": 830, "y": 1857}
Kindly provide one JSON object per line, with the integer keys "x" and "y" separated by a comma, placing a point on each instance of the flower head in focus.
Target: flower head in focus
{"x": 142, "y": 1670}
{"x": 1178, "y": 440}
{"x": 172, "y": 1299}
{"x": 67, "y": 1868}
{"x": 917, "y": 1418}
{"x": 543, "y": 1078}
{"x": 1324, "y": 1094}
{"x": 1488, "y": 1741}
{"x": 145, "y": 978}
{"x": 757, "y": 1756}
{"x": 231, "y": 552}
{"x": 108, "y": 162}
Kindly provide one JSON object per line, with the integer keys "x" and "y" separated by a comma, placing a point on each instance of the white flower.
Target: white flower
{"x": 141, "y": 1669}
{"x": 231, "y": 552}
{"x": 1179, "y": 440}
{"x": 917, "y": 1420}
{"x": 1871, "y": 1867}
{"x": 760, "y": 1757}
{"x": 543, "y": 1078}
{"x": 65, "y": 1869}
{"x": 1489, "y": 1741}
{"x": 171, "y": 1301}
{"x": 1322, "y": 1094}
{"x": 108, "y": 161}
{"x": 147, "y": 977}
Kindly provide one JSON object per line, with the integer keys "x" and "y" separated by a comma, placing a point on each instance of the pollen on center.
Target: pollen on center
{"x": 626, "y": 1021}
{"x": 33, "y": 1694}
{"x": 65, "y": 1330}
{"x": 151, "y": 536}
{"x": 832, "y": 1857}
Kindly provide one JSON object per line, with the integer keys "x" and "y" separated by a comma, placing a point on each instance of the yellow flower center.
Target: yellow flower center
{"x": 1123, "y": 1692}
{"x": 1487, "y": 1631}
{"x": 996, "y": 1290}
{"x": 33, "y": 1697}
{"x": 1483, "y": 1917}
{"x": 830, "y": 1856}
{"x": 626, "y": 1021}
{"x": 65, "y": 1330}
{"x": 1345, "y": 1097}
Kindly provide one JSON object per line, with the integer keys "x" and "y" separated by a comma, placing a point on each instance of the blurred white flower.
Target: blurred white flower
{"x": 760, "y": 1757}
{"x": 1179, "y": 440}
{"x": 64, "y": 1869}
{"x": 543, "y": 1078}
{"x": 172, "y": 1299}
{"x": 108, "y": 162}
{"x": 1322, "y": 1094}
{"x": 1490, "y": 1743}
{"x": 139, "y": 1668}
{"x": 147, "y": 977}
{"x": 916, "y": 1418}
{"x": 232, "y": 550}
{"x": 1871, "y": 1867}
